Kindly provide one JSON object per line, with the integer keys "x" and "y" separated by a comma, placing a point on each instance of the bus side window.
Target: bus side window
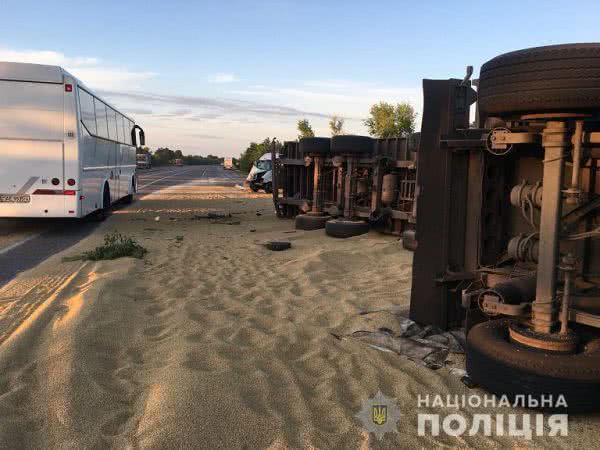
{"x": 112, "y": 124}
{"x": 101, "y": 119}
{"x": 123, "y": 125}
{"x": 88, "y": 114}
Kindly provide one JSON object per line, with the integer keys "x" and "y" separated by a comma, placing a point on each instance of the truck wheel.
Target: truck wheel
{"x": 269, "y": 188}
{"x": 315, "y": 145}
{"x": 346, "y": 228}
{"x": 348, "y": 144}
{"x": 506, "y": 368}
{"x": 556, "y": 78}
{"x": 310, "y": 222}
{"x": 253, "y": 187}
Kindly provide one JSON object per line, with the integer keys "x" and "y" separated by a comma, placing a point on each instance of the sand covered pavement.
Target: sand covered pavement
{"x": 213, "y": 341}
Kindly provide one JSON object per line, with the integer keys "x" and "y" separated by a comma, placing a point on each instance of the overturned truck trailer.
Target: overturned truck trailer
{"x": 347, "y": 184}
{"x": 509, "y": 222}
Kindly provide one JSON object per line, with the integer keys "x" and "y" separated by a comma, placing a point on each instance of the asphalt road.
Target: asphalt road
{"x": 25, "y": 243}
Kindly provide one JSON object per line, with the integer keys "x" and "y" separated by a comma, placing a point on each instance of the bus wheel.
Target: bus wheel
{"x": 128, "y": 199}
{"x": 104, "y": 212}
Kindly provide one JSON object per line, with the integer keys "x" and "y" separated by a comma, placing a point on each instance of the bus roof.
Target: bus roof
{"x": 31, "y": 72}
{"x": 41, "y": 73}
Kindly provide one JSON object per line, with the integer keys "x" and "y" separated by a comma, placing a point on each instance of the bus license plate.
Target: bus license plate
{"x": 14, "y": 198}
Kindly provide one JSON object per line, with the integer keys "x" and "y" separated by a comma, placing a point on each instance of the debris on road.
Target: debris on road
{"x": 211, "y": 215}
{"x": 428, "y": 346}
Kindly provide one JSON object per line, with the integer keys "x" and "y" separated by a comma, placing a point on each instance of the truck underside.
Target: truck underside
{"x": 508, "y": 222}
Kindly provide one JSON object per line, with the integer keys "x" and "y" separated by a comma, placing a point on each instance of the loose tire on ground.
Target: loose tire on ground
{"x": 349, "y": 144}
{"x": 556, "y": 78}
{"x": 315, "y": 145}
{"x": 309, "y": 222}
{"x": 505, "y": 368}
{"x": 346, "y": 228}
{"x": 278, "y": 246}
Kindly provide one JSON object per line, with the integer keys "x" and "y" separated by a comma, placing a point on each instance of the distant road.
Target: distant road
{"x": 25, "y": 243}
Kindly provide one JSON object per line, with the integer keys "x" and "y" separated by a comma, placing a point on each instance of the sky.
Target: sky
{"x": 211, "y": 77}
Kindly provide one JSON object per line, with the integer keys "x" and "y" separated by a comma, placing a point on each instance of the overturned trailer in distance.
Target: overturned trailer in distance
{"x": 348, "y": 184}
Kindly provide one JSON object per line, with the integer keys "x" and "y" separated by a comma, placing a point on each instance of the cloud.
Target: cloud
{"x": 203, "y": 136}
{"x": 204, "y": 116}
{"x": 92, "y": 71}
{"x": 231, "y": 106}
{"x": 140, "y": 111}
{"x": 348, "y": 99}
{"x": 222, "y": 77}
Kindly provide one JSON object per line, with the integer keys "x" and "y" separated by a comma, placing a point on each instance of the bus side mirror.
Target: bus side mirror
{"x": 134, "y": 138}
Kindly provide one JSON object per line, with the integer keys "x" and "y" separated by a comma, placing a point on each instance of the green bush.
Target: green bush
{"x": 115, "y": 246}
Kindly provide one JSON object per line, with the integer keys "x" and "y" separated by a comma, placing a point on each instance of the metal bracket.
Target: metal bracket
{"x": 584, "y": 318}
{"x": 491, "y": 305}
{"x": 501, "y": 140}
{"x": 451, "y": 277}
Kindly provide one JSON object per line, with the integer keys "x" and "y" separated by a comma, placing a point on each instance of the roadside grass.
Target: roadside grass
{"x": 115, "y": 246}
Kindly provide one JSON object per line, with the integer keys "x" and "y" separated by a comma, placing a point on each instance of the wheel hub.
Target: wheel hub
{"x": 554, "y": 342}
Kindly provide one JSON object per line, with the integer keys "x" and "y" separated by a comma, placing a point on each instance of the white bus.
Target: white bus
{"x": 64, "y": 152}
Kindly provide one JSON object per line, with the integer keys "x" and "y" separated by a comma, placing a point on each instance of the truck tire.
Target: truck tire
{"x": 349, "y": 144}
{"x": 409, "y": 240}
{"x": 506, "y": 368}
{"x": 268, "y": 188}
{"x": 346, "y": 228}
{"x": 555, "y": 78}
{"x": 310, "y": 222}
{"x": 315, "y": 145}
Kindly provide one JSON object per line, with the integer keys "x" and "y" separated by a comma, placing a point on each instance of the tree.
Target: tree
{"x": 142, "y": 150}
{"x": 335, "y": 125}
{"x": 255, "y": 151}
{"x": 305, "y": 129}
{"x": 163, "y": 156}
{"x": 388, "y": 121}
